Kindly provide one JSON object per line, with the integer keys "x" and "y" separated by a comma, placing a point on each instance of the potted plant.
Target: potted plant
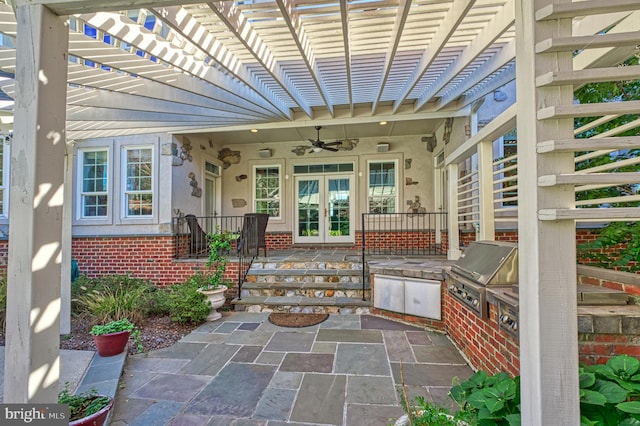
{"x": 111, "y": 338}
{"x": 87, "y": 408}
{"x": 212, "y": 284}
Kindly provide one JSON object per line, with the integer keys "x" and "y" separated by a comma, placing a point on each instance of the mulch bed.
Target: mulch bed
{"x": 296, "y": 320}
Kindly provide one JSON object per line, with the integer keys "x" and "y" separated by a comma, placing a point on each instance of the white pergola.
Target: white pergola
{"x": 227, "y": 66}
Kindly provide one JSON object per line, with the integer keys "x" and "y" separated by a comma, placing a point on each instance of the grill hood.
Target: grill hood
{"x": 489, "y": 263}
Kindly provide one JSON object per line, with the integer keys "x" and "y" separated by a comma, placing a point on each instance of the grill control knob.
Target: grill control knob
{"x": 475, "y": 302}
{"x": 452, "y": 287}
{"x": 514, "y": 326}
{"x": 505, "y": 319}
{"x": 463, "y": 294}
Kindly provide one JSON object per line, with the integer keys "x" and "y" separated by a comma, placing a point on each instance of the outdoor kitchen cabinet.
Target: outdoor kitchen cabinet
{"x": 405, "y": 295}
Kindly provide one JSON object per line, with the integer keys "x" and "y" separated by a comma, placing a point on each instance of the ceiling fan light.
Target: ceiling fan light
{"x": 316, "y": 149}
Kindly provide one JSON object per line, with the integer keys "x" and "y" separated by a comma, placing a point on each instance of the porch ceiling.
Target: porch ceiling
{"x": 280, "y": 66}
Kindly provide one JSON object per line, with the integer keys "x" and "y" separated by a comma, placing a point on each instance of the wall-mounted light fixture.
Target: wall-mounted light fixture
{"x": 383, "y": 147}
{"x": 265, "y": 153}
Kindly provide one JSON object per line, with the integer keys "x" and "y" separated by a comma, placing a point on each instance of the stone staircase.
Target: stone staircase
{"x": 305, "y": 285}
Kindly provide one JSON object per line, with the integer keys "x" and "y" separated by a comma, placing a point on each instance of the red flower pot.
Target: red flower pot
{"x": 111, "y": 344}
{"x": 96, "y": 419}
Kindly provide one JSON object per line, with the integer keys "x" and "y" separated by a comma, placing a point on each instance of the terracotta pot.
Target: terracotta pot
{"x": 216, "y": 300}
{"x": 111, "y": 344}
{"x": 96, "y": 419}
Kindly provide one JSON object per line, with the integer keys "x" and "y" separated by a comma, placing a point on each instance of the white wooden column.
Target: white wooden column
{"x": 453, "y": 253}
{"x": 485, "y": 178}
{"x": 32, "y": 357}
{"x": 548, "y": 311}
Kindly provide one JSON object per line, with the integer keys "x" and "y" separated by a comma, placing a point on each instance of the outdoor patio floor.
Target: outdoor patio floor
{"x": 243, "y": 370}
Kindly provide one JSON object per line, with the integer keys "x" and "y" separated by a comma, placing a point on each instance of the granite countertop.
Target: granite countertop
{"x": 431, "y": 269}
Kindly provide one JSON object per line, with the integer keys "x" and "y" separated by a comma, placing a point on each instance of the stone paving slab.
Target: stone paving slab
{"x": 210, "y": 360}
{"x": 359, "y": 336}
{"x": 320, "y": 399}
{"x": 371, "y": 390}
{"x": 275, "y": 404}
{"x": 172, "y": 387}
{"x": 184, "y": 350}
{"x": 354, "y": 358}
{"x": 247, "y": 354}
{"x": 372, "y": 415}
{"x": 291, "y": 342}
{"x": 438, "y": 354}
{"x": 307, "y": 363}
{"x": 398, "y": 347}
{"x": 432, "y": 374}
{"x": 228, "y": 393}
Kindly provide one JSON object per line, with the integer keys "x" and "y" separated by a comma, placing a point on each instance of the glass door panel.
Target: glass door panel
{"x": 308, "y": 210}
{"x": 339, "y": 210}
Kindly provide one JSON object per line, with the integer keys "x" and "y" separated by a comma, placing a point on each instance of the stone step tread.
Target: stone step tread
{"x": 303, "y": 285}
{"x": 301, "y": 301}
{"x": 257, "y": 271}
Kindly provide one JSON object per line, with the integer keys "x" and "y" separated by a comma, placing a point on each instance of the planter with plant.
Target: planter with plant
{"x": 86, "y": 408}
{"x": 111, "y": 338}
{"x": 212, "y": 283}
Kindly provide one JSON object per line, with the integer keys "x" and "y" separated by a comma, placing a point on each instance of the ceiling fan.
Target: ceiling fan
{"x": 319, "y": 145}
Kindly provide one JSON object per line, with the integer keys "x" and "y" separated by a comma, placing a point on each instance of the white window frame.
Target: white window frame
{"x": 396, "y": 195}
{"x": 280, "y": 188}
{"x": 6, "y": 174}
{"x": 123, "y": 183}
{"x": 80, "y": 181}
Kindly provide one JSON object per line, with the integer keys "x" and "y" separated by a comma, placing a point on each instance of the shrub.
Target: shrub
{"x": 3, "y": 300}
{"x": 113, "y": 298}
{"x": 183, "y": 302}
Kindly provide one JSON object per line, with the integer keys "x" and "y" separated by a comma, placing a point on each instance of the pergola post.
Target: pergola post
{"x": 453, "y": 252}
{"x": 32, "y": 358}
{"x": 485, "y": 178}
{"x": 547, "y": 248}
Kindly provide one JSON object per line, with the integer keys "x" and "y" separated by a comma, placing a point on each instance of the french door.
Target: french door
{"x": 324, "y": 209}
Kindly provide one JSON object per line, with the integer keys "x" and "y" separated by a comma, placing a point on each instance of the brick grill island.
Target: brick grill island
{"x": 604, "y": 330}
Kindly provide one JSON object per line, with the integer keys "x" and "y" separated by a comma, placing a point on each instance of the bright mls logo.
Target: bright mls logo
{"x": 34, "y": 414}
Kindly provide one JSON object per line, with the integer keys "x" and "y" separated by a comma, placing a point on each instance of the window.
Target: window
{"x": 94, "y": 197}
{"x": 267, "y": 190}
{"x": 138, "y": 181}
{"x": 383, "y": 187}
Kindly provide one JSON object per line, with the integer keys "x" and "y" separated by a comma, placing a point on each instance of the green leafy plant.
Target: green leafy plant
{"x": 494, "y": 400}
{"x": 183, "y": 303}
{"x": 219, "y": 247}
{"x": 609, "y": 393}
{"x": 83, "y": 404}
{"x": 113, "y": 298}
{"x": 425, "y": 413}
{"x": 117, "y": 327}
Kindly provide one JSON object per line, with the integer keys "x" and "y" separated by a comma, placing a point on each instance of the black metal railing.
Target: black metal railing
{"x": 191, "y": 239}
{"x": 401, "y": 234}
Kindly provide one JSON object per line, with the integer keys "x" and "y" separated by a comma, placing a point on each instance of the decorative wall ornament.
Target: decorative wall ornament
{"x": 432, "y": 142}
{"x": 196, "y": 192}
{"x": 407, "y": 163}
{"x": 240, "y": 178}
{"x": 448, "y": 127}
{"x": 228, "y": 157}
{"x": 202, "y": 147}
{"x": 210, "y": 143}
{"x": 299, "y": 150}
{"x": 415, "y": 206}
{"x": 408, "y": 181}
{"x": 238, "y": 203}
{"x": 349, "y": 144}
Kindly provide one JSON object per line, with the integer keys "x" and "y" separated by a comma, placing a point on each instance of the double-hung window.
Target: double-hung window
{"x": 267, "y": 181}
{"x": 138, "y": 181}
{"x": 383, "y": 187}
{"x": 94, "y": 192}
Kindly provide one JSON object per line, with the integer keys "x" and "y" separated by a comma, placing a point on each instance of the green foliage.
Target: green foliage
{"x": 626, "y": 236}
{"x": 609, "y": 393}
{"x": 83, "y": 404}
{"x": 183, "y": 303}
{"x": 117, "y": 327}
{"x": 219, "y": 247}
{"x": 622, "y": 238}
{"x": 495, "y": 400}
{"x": 113, "y": 298}
{"x": 425, "y": 413}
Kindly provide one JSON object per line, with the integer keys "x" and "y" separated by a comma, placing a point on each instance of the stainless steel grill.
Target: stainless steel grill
{"x": 483, "y": 264}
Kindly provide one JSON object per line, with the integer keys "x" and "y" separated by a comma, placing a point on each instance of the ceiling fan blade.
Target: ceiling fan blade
{"x": 328, "y": 148}
{"x": 333, "y": 143}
